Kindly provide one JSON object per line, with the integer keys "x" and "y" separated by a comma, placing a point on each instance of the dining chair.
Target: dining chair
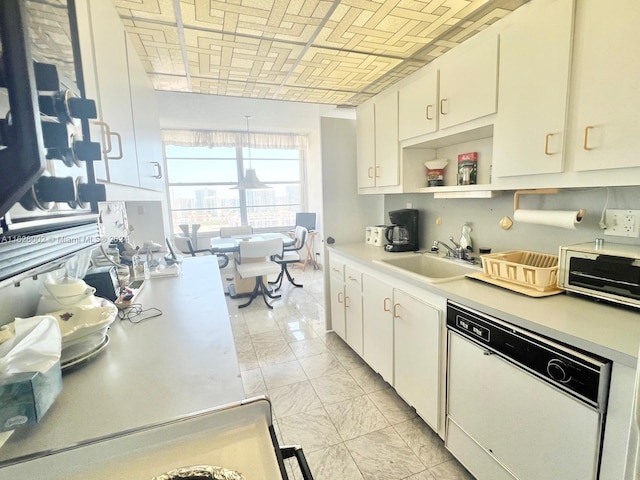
{"x": 254, "y": 260}
{"x": 288, "y": 256}
{"x": 226, "y": 232}
{"x": 223, "y": 259}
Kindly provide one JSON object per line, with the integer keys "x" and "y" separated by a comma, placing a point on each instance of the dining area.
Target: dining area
{"x": 254, "y": 264}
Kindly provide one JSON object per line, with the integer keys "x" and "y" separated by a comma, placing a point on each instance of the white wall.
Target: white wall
{"x": 484, "y": 215}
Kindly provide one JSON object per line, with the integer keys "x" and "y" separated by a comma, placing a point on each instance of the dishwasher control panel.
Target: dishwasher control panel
{"x": 582, "y": 375}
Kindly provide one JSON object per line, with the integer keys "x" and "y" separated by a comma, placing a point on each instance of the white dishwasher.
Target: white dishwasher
{"x": 519, "y": 405}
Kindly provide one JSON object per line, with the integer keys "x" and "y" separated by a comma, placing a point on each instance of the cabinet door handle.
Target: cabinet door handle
{"x": 336, "y": 270}
{"x": 377, "y": 171}
{"x": 346, "y": 303}
{"x": 428, "y": 109}
{"x": 585, "y": 145}
{"x": 396, "y": 306}
{"x": 353, "y": 279}
{"x": 340, "y": 295}
{"x": 546, "y": 143}
{"x": 370, "y": 172}
{"x": 384, "y": 304}
{"x": 442, "y": 112}
{"x": 109, "y": 146}
{"x": 158, "y": 170}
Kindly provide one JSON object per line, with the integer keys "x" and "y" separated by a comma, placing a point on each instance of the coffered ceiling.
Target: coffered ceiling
{"x": 338, "y": 52}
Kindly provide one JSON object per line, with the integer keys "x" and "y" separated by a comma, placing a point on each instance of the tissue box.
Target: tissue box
{"x": 26, "y": 397}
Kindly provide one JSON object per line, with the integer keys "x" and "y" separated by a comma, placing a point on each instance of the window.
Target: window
{"x": 201, "y": 180}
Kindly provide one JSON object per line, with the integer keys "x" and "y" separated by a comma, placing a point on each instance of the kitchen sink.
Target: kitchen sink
{"x": 429, "y": 267}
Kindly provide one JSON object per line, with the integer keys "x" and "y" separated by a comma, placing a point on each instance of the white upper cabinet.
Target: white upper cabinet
{"x": 146, "y": 121}
{"x": 116, "y": 79}
{"x": 366, "y": 145}
{"x": 378, "y": 154}
{"x": 468, "y": 82}
{"x": 606, "y": 86}
{"x": 108, "y": 51}
{"x": 418, "y": 106}
{"x": 535, "y": 53}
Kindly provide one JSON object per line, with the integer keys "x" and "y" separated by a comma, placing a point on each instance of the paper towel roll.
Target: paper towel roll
{"x": 553, "y": 218}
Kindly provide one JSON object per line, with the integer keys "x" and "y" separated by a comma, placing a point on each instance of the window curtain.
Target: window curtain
{"x": 211, "y": 139}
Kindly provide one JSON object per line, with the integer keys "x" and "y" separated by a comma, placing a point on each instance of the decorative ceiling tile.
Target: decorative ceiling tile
{"x": 157, "y": 45}
{"x": 324, "y": 51}
{"x": 230, "y": 57}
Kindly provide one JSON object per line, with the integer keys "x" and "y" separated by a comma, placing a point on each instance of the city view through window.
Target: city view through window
{"x": 201, "y": 181}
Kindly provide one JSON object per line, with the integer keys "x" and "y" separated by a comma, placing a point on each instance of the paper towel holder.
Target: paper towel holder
{"x": 542, "y": 191}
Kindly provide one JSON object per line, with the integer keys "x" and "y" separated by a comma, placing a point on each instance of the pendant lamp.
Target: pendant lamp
{"x": 250, "y": 179}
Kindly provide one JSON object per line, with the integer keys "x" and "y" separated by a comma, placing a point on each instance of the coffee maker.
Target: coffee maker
{"x": 402, "y": 234}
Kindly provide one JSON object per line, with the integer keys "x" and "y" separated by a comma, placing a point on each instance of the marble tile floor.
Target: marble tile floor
{"x": 350, "y": 422}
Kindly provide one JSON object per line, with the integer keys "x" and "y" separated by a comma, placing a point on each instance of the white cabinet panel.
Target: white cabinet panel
{"x": 353, "y": 307}
{"x": 529, "y": 132}
{"x": 387, "y": 171}
{"x": 468, "y": 83}
{"x": 606, "y": 91}
{"x": 338, "y": 323}
{"x": 417, "y": 327}
{"x": 366, "y": 145}
{"x": 418, "y": 106}
{"x": 378, "y": 325}
{"x": 378, "y": 154}
{"x": 113, "y": 95}
{"x": 146, "y": 123}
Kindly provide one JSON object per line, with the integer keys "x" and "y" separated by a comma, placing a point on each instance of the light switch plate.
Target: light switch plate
{"x": 622, "y": 223}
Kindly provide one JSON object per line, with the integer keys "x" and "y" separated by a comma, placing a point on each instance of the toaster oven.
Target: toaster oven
{"x": 609, "y": 272}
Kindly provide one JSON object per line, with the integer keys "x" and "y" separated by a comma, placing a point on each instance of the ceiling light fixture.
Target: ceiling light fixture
{"x": 250, "y": 179}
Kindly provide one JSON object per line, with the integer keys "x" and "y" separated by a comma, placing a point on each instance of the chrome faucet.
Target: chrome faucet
{"x": 458, "y": 252}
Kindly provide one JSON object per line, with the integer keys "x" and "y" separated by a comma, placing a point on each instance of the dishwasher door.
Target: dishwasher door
{"x": 532, "y": 429}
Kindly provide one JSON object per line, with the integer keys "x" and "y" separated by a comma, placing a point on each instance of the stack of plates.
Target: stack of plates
{"x": 84, "y": 331}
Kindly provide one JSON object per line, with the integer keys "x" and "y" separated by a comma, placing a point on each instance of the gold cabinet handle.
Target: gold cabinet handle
{"x": 384, "y": 304}
{"x": 370, "y": 172}
{"x": 340, "y": 295}
{"x": 585, "y": 145}
{"x": 428, "y": 110}
{"x": 442, "y": 112}
{"x": 546, "y": 143}
{"x": 395, "y": 310}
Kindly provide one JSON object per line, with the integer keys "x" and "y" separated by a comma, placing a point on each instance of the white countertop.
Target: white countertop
{"x": 604, "y": 329}
{"x": 181, "y": 362}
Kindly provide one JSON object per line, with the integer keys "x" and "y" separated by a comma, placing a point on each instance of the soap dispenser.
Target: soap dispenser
{"x": 465, "y": 238}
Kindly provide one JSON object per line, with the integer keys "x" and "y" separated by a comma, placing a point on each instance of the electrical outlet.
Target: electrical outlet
{"x": 622, "y": 223}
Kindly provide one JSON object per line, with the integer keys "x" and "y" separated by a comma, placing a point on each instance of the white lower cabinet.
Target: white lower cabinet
{"x": 337, "y": 307}
{"x": 353, "y": 307}
{"x": 378, "y": 325}
{"x": 417, "y": 355}
{"x": 345, "y": 283}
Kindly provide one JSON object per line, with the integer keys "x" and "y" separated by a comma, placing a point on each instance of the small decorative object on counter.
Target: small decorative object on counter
{"x": 201, "y": 472}
{"x": 467, "y": 168}
{"x": 435, "y": 172}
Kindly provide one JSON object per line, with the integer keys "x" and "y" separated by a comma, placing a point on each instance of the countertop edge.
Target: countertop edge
{"x": 607, "y": 330}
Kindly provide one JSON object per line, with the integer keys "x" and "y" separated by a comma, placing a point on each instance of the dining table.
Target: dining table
{"x": 231, "y": 245}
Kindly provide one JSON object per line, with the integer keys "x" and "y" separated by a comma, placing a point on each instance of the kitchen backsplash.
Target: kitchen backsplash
{"x": 484, "y": 217}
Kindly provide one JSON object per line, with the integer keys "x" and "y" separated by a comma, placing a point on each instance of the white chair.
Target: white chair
{"x": 226, "y": 232}
{"x": 254, "y": 260}
{"x": 290, "y": 255}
